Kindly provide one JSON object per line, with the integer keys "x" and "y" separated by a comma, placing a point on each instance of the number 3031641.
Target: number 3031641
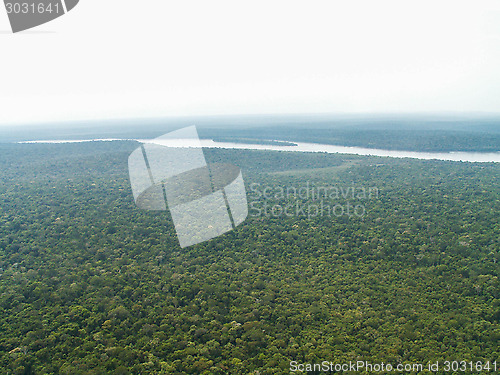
{"x": 25, "y": 8}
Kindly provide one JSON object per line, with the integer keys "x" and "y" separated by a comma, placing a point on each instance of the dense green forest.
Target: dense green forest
{"x": 90, "y": 284}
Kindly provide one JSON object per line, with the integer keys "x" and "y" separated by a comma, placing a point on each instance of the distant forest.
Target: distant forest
{"x": 401, "y": 132}
{"x": 387, "y": 139}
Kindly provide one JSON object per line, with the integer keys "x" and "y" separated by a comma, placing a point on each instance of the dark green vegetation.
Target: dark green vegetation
{"x": 92, "y": 285}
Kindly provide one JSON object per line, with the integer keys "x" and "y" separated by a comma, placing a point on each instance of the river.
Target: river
{"x": 481, "y": 157}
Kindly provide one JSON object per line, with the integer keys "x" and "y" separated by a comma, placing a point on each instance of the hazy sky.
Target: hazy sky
{"x": 122, "y": 58}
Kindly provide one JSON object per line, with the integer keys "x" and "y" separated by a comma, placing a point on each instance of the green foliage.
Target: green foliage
{"x": 90, "y": 284}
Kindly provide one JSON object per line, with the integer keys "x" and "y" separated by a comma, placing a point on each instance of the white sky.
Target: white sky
{"x": 123, "y": 58}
